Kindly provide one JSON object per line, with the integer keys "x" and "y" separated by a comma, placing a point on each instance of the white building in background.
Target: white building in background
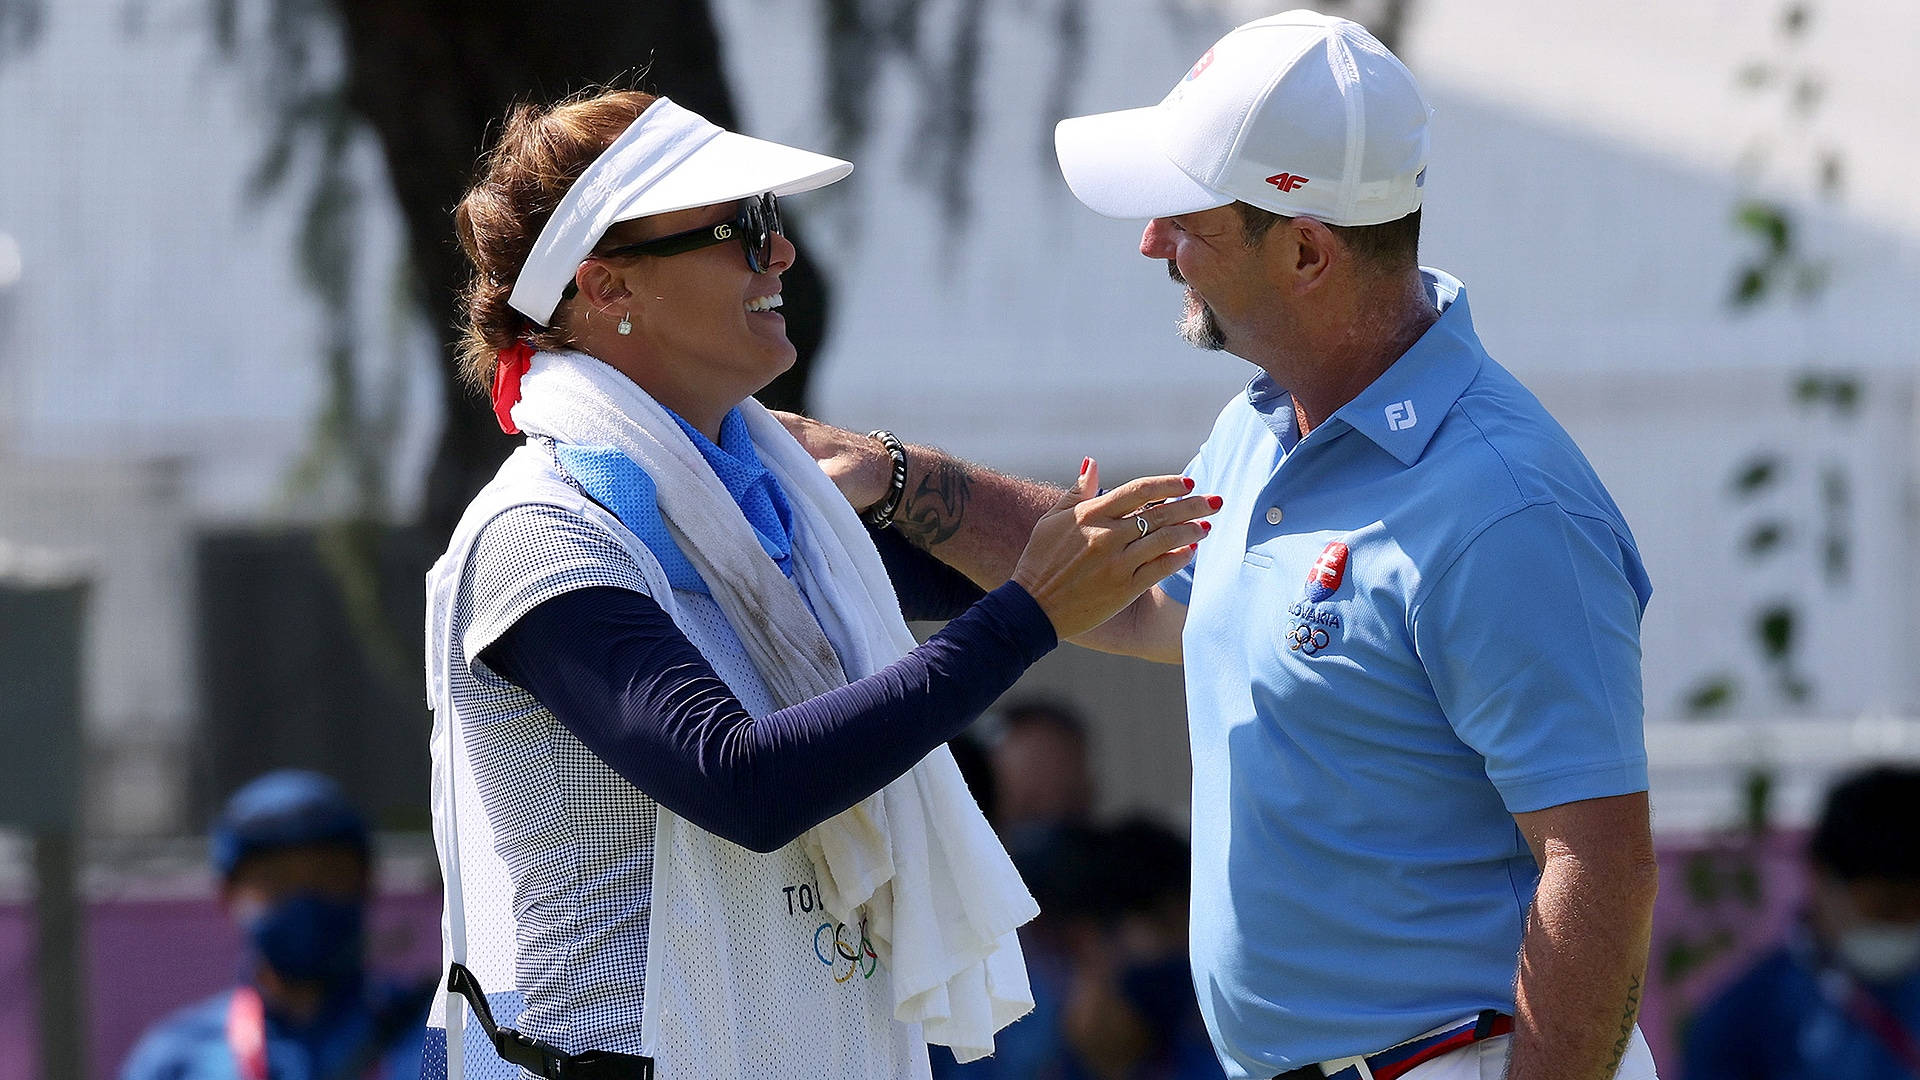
{"x": 160, "y": 353}
{"x": 1586, "y": 170}
{"x": 160, "y": 346}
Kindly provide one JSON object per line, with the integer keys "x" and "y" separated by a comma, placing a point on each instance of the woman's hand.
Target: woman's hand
{"x": 1087, "y": 557}
{"x": 857, "y": 464}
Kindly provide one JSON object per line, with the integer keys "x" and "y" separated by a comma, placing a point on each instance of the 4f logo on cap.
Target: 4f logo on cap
{"x": 1329, "y": 570}
{"x": 1286, "y": 181}
{"x": 1199, "y": 66}
{"x": 1400, "y": 415}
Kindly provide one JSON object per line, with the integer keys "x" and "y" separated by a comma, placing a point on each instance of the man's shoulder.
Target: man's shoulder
{"x": 1501, "y": 439}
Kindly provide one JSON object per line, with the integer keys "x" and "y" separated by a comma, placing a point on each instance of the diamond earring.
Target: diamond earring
{"x": 626, "y": 325}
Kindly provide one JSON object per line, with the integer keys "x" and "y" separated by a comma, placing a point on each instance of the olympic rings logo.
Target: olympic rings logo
{"x": 1307, "y": 639}
{"x": 842, "y": 951}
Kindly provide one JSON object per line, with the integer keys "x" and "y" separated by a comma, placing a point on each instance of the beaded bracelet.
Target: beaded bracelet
{"x": 880, "y": 514}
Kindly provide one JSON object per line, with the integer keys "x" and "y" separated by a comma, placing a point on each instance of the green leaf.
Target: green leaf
{"x": 1765, "y": 537}
{"x": 1769, "y": 222}
{"x": 1676, "y": 961}
{"x": 1756, "y": 474}
{"x": 1794, "y": 688}
{"x": 1749, "y": 287}
{"x": 1684, "y": 956}
{"x": 1832, "y": 175}
{"x": 224, "y": 15}
{"x": 1702, "y": 876}
{"x": 1844, "y": 392}
{"x": 1810, "y": 279}
{"x": 1756, "y": 801}
{"x": 1835, "y": 489}
{"x": 1711, "y": 695}
{"x": 21, "y": 24}
{"x": 1755, "y": 75}
{"x": 1774, "y": 628}
{"x": 1836, "y": 558}
{"x": 1807, "y": 94}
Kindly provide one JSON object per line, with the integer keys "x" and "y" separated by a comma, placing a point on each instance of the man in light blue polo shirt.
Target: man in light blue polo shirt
{"x": 1420, "y": 836}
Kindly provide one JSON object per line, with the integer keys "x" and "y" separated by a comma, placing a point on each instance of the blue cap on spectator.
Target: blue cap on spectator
{"x": 285, "y": 808}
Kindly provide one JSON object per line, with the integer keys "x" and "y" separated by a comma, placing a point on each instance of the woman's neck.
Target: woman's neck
{"x": 703, "y": 407}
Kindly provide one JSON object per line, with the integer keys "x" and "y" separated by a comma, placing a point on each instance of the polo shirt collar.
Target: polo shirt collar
{"x": 1403, "y": 408}
{"x": 752, "y": 486}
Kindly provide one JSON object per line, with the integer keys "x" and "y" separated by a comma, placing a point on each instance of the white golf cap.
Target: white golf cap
{"x": 668, "y": 159}
{"x": 1299, "y": 113}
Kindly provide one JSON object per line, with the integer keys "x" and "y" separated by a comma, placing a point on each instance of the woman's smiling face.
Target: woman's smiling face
{"x": 707, "y": 310}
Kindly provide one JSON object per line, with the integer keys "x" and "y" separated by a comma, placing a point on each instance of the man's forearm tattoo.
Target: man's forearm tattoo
{"x": 930, "y": 515}
{"x": 1627, "y": 1017}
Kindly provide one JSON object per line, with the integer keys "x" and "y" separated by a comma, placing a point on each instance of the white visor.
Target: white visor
{"x": 669, "y": 159}
{"x": 1114, "y": 164}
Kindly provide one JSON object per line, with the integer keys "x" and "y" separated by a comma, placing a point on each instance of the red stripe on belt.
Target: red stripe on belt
{"x": 1397, "y": 1062}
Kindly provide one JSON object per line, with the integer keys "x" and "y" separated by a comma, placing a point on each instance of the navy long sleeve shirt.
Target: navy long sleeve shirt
{"x": 614, "y": 669}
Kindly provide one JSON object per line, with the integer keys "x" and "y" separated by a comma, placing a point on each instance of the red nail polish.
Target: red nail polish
{"x": 1206, "y": 526}
{"x": 1085, "y": 462}
{"x": 1187, "y": 480}
{"x": 1193, "y": 547}
{"x": 1216, "y": 501}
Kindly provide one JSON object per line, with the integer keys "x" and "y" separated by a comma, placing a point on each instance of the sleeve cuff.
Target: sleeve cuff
{"x": 1523, "y": 796}
{"x": 1012, "y": 613}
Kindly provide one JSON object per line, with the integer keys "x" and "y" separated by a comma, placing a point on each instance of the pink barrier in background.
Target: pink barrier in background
{"x": 1720, "y": 904}
{"x": 146, "y": 958}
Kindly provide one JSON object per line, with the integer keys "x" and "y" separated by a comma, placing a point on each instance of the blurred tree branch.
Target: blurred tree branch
{"x": 1781, "y": 268}
{"x": 427, "y": 80}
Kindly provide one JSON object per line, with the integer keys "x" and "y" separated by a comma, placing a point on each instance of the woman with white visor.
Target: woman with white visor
{"x": 692, "y": 801}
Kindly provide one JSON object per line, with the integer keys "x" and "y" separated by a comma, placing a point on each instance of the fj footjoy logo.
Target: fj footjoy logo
{"x": 1199, "y": 66}
{"x": 1286, "y": 181}
{"x": 1400, "y": 415}
{"x": 1329, "y": 570}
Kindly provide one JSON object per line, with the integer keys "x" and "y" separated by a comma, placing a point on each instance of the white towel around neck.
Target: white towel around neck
{"x": 917, "y": 858}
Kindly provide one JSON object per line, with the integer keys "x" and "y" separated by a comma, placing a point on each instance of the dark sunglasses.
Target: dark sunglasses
{"x": 754, "y": 226}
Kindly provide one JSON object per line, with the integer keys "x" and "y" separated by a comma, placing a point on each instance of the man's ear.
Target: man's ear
{"x": 1315, "y": 253}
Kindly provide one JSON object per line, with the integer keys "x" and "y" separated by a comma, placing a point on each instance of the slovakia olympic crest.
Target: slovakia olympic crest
{"x": 1315, "y": 629}
{"x": 1329, "y": 570}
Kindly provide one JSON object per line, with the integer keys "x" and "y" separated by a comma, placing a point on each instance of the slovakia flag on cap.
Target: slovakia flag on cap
{"x": 1329, "y": 570}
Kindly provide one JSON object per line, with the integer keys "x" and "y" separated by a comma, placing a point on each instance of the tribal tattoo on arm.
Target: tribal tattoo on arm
{"x": 931, "y": 513}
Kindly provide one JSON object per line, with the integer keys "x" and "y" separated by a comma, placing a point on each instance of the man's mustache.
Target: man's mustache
{"x": 1173, "y": 271}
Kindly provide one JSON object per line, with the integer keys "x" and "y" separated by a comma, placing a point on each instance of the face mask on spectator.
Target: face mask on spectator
{"x": 1880, "y": 952}
{"x": 308, "y": 937}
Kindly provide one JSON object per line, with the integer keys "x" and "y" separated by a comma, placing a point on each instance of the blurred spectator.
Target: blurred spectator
{"x": 295, "y": 871}
{"x": 1040, "y": 767}
{"x": 1841, "y": 997}
{"x": 976, "y": 768}
{"x": 1112, "y": 985}
{"x": 1130, "y": 1011}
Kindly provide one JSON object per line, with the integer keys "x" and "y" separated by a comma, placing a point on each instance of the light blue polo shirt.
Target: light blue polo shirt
{"x": 1405, "y": 628}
